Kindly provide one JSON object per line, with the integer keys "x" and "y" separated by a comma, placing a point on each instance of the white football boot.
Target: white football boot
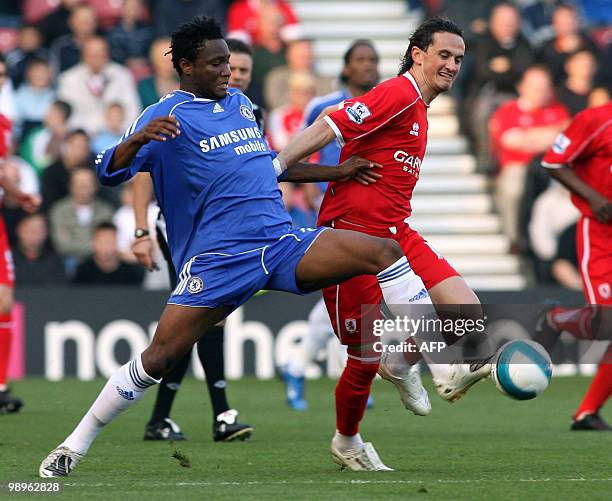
{"x": 59, "y": 463}
{"x": 460, "y": 378}
{"x": 362, "y": 458}
{"x": 407, "y": 380}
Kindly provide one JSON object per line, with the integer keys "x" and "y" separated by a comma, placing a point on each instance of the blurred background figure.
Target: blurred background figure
{"x": 131, "y": 37}
{"x": 574, "y": 91}
{"x": 286, "y": 120}
{"x": 113, "y": 128}
{"x": 55, "y": 24}
{"x": 568, "y": 39}
{"x": 65, "y": 51}
{"x": 74, "y": 152}
{"x": 520, "y": 129}
{"x": 36, "y": 263}
{"x": 163, "y": 79}
{"x": 105, "y": 266}
{"x": 93, "y": 84}
{"x": 500, "y": 56}
{"x": 74, "y": 218}
{"x": 41, "y": 146}
{"x": 300, "y": 59}
{"x": 29, "y": 47}
{"x": 244, "y": 21}
{"x": 33, "y": 97}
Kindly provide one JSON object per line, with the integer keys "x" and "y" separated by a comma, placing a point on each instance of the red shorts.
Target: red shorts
{"x": 346, "y": 303}
{"x": 7, "y": 268}
{"x": 594, "y": 246}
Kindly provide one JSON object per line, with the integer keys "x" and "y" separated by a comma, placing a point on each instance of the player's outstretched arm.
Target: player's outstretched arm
{"x": 602, "y": 207}
{"x": 305, "y": 143}
{"x": 158, "y": 129}
{"x": 360, "y": 169}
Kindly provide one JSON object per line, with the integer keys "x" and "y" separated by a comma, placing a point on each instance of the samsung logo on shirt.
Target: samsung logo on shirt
{"x": 233, "y": 136}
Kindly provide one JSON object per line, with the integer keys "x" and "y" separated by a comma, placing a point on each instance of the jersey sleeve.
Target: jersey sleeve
{"x": 569, "y": 144}
{"x": 144, "y": 161}
{"x": 363, "y": 115}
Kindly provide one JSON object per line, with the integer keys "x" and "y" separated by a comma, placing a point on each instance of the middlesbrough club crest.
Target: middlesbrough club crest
{"x": 350, "y": 324}
{"x": 195, "y": 285}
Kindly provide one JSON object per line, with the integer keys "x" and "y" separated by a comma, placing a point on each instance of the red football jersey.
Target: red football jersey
{"x": 586, "y": 146}
{"x": 388, "y": 125}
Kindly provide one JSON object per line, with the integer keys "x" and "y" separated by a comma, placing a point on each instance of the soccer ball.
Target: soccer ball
{"x": 521, "y": 369}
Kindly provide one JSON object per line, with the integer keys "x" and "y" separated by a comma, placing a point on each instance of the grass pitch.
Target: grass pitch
{"x": 485, "y": 446}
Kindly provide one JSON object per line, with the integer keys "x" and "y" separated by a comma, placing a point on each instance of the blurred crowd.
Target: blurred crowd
{"x": 75, "y": 73}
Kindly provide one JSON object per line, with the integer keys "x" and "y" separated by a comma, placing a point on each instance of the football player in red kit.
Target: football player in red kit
{"x": 388, "y": 125}
{"x": 8, "y": 403}
{"x": 581, "y": 159}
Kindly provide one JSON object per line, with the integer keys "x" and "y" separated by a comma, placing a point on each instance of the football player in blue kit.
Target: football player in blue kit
{"x": 228, "y": 230}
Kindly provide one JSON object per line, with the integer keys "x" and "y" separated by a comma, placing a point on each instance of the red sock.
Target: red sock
{"x": 352, "y": 394}
{"x": 5, "y": 346}
{"x": 577, "y": 321}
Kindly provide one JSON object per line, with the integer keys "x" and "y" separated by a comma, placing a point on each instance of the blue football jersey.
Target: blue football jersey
{"x": 215, "y": 182}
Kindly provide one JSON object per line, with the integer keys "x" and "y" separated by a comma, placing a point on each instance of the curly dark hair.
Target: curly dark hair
{"x": 190, "y": 37}
{"x": 423, "y": 38}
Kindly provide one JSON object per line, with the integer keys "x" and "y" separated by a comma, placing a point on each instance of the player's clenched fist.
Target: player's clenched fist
{"x": 360, "y": 169}
{"x": 158, "y": 129}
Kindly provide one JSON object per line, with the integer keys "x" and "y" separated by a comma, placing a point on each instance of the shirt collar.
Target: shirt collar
{"x": 409, "y": 76}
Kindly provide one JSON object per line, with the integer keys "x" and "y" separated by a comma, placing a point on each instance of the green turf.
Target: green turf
{"x": 483, "y": 447}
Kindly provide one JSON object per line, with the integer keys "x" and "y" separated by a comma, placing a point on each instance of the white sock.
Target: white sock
{"x": 342, "y": 354}
{"x": 124, "y": 388}
{"x": 320, "y": 329}
{"x": 345, "y": 442}
{"x": 402, "y": 286}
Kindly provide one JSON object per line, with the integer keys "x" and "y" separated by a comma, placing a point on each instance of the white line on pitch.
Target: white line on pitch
{"x": 347, "y": 482}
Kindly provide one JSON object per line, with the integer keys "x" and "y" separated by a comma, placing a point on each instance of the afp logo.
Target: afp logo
{"x": 247, "y": 113}
{"x": 195, "y": 285}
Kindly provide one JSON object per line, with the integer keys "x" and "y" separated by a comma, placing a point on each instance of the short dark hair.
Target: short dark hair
{"x": 423, "y": 38}
{"x": 239, "y": 47}
{"x": 361, "y": 42}
{"x": 77, "y": 132}
{"x": 105, "y": 225}
{"x": 190, "y": 37}
{"x": 64, "y": 108}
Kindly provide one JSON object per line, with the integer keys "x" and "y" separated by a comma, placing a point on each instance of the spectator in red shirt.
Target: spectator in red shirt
{"x": 243, "y": 20}
{"x": 519, "y": 130}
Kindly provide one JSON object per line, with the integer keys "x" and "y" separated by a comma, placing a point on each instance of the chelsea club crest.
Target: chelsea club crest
{"x": 195, "y": 285}
{"x": 247, "y": 113}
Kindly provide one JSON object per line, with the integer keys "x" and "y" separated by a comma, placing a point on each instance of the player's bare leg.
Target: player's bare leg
{"x": 336, "y": 256}
{"x": 178, "y": 330}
